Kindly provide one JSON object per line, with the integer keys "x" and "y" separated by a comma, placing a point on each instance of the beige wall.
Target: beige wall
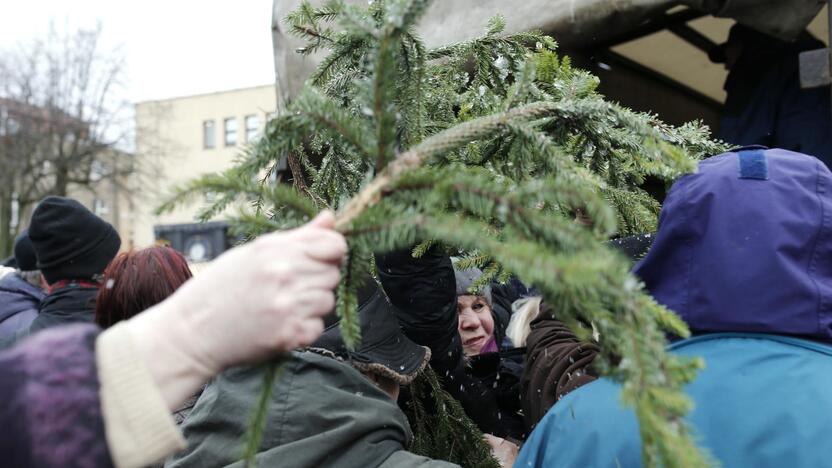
{"x": 111, "y": 197}
{"x": 169, "y": 148}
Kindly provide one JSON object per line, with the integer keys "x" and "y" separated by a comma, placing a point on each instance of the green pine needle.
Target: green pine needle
{"x": 494, "y": 147}
{"x": 254, "y": 435}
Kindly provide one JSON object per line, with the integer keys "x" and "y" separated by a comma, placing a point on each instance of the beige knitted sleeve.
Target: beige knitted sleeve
{"x": 140, "y": 429}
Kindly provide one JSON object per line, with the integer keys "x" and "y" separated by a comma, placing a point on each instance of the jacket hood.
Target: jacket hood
{"x": 745, "y": 245}
{"x": 16, "y": 295}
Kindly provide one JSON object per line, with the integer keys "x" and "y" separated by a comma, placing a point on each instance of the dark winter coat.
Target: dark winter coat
{"x": 556, "y": 363}
{"x": 73, "y": 303}
{"x": 67, "y": 304}
{"x": 184, "y": 410}
{"x": 19, "y": 303}
{"x": 322, "y": 413}
{"x": 424, "y": 293}
{"x": 765, "y": 104}
{"x": 742, "y": 255}
{"x": 51, "y": 413}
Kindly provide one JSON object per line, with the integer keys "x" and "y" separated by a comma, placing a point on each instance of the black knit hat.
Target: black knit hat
{"x": 384, "y": 350}
{"x": 24, "y": 252}
{"x": 70, "y": 241}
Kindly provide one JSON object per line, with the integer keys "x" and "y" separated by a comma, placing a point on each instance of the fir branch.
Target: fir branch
{"x": 353, "y": 270}
{"x": 402, "y": 14}
{"x": 432, "y": 146}
{"x": 254, "y": 435}
{"x": 346, "y": 51}
{"x": 484, "y": 42}
{"x": 441, "y": 430}
{"x": 305, "y": 22}
{"x": 384, "y": 112}
{"x": 333, "y": 118}
{"x": 501, "y": 144}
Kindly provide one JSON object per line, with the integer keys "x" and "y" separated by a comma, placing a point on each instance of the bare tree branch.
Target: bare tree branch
{"x": 62, "y": 110}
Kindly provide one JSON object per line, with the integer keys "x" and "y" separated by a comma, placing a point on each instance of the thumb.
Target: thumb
{"x": 324, "y": 220}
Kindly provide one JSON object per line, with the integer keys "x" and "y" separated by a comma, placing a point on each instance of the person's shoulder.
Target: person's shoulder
{"x": 8, "y": 279}
{"x": 752, "y": 343}
{"x": 5, "y": 271}
{"x": 587, "y": 427}
{"x": 15, "y": 284}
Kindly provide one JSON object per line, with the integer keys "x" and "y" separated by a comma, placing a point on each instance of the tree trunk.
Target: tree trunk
{"x": 6, "y": 234}
{"x": 61, "y": 181}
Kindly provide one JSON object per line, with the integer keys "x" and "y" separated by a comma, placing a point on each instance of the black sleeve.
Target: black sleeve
{"x": 502, "y": 296}
{"x": 423, "y": 291}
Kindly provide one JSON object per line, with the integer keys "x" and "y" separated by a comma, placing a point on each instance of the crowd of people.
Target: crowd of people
{"x": 127, "y": 359}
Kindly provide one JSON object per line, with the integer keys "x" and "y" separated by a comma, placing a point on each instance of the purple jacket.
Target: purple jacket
{"x": 19, "y": 302}
{"x": 742, "y": 254}
{"x": 757, "y": 244}
{"x": 51, "y": 412}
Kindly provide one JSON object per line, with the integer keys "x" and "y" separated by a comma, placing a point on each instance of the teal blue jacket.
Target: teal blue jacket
{"x": 763, "y": 401}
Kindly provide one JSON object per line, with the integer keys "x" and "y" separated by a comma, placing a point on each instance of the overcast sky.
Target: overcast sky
{"x": 172, "y": 47}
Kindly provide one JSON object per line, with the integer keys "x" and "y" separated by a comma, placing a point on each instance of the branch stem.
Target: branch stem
{"x": 440, "y": 143}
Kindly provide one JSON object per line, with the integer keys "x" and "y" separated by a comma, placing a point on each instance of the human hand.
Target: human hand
{"x": 262, "y": 298}
{"x": 504, "y": 451}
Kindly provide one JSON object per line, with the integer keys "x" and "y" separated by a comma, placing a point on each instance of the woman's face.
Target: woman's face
{"x": 476, "y": 325}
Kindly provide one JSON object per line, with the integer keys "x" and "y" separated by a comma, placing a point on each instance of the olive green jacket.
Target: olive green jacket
{"x": 322, "y": 413}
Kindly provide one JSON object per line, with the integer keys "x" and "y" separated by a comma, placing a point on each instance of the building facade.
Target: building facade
{"x": 180, "y": 139}
{"x": 47, "y": 151}
{"x": 109, "y": 194}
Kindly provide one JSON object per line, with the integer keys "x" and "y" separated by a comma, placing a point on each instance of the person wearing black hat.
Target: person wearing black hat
{"x": 20, "y": 289}
{"x": 465, "y": 331}
{"x": 330, "y": 407}
{"x": 765, "y": 104}
{"x": 73, "y": 247}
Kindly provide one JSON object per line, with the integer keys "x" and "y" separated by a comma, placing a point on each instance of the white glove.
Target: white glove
{"x": 265, "y": 297}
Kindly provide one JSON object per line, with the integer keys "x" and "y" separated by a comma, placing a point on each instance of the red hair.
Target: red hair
{"x": 135, "y": 281}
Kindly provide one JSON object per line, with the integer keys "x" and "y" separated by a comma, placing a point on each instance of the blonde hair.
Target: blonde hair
{"x": 524, "y": 310}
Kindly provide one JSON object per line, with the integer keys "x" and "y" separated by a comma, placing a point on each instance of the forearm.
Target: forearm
{"x": 160, "y": 339}
{"x": 142, "y": 380}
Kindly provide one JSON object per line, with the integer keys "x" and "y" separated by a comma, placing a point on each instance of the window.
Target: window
{"x": 12, "y": 126}
{"x": 99, "y": 207}
{"x": 208, "y": 141}
{"x": 230, "y": 131}
{"x": 4, "y": 116}
{"x": 97, "y": 171}
{"x": 8, "y": 124}
{"x": 15, "y": 210}
{"x": 252, "y": 125}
